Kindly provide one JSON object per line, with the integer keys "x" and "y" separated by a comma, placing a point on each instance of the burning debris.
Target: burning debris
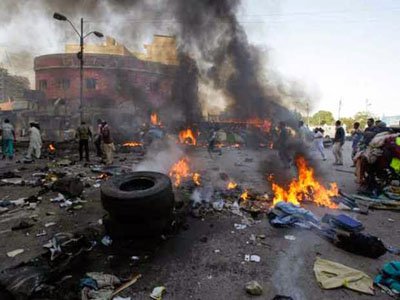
{"x": 305, "y": 188}
{"x": 154, "y": 120}
{"x": 188, "y": 137}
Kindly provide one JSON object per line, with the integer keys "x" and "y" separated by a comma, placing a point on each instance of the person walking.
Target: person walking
{"x": 356, "y": 136}
{"x": 338, "y": 143}
{"x": 211, "y": 143}
{"x": 107, "y": 142}
{"x": 35, "y": 141}
{"x": 83, "y": 134}
{"x": 97, "y": 138}
{"x": 319, "y": 141}
{"x": 282, "y": 145}
{"x": 8, "y": 139}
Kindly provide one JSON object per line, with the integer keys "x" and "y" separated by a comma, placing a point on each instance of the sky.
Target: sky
{"x": 338, "y": 49}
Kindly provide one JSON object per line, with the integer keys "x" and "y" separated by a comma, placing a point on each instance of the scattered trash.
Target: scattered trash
{"x": 70, "y": 186}
{"x": 22, "y": 225}
{"x": 218, "y": 205}
{"x": 331, "y": 275}
{"x": 254, "y": 288}
{"x": 240, "y": 226}
{"x": 290, "y": 237}
{"x": 59, "y": 198}
{"x": 157, "y": 293}
{"x": 252, "y": 258}
{"x": 106, "y": 240}
{"x": 50, "y": 224}
{"x": 282, "y": 297}
{"x": 15, "y": 252}
{"x": 125, "y": 286}
{"x": 135, "y": 258}
{"x": 41, "y": 233}
{"x": 217, "y": 251}
{"x": 390, "y": 220}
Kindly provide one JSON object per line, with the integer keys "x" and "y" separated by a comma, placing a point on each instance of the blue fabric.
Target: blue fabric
{"x": 287, "y": 214}
{"x": 89, "y": 282}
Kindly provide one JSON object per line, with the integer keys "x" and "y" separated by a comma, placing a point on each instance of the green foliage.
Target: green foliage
{"x": 322, "y": 117}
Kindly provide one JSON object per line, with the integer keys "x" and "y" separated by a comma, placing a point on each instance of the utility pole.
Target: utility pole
{"x": 308, "y": 113}
{"x": 340, "y": 108}
{"x": 80, "y": 56}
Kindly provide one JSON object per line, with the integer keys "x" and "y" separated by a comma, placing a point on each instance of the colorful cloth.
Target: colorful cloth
{"x": 390, "y": 276}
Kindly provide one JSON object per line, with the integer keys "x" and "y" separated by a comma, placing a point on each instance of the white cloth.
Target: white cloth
{"x": 35, "y": 143}
{"x": 7, "y": 131}
{"x": 319, "y": 143}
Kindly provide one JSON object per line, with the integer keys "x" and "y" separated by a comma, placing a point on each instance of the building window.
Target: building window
{"x": 91, "y": 83}
{"x": 63, "y": 84}
{"x": 42, "y": 85}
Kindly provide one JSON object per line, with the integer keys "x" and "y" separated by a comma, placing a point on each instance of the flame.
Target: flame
{"x": 305, "y": 187}
{"x": 102, "y": 176}
{"x": 245, "y": 195}
{"x": 196, "y": 179}
{"x": 154, "y": 119}
{"x": 132, "y": 144}
{"x": 179, "y": 171}
{"x": 231, "y": 185}
{"x": 52, "y": 148}
{"x": 187, "y": 137}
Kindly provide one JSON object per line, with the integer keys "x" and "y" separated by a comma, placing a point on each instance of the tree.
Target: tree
{"x": 362, "y": 117}
{"x": 322, "y": 117}
{"x": 348, "y": 123}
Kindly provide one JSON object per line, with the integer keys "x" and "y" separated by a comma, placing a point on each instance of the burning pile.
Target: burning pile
{"x": 304, "y": 188}
{"x": 154, "y": 120}
{"x": 132, "y": 144}
{"x": 188, "y": 137}
{"x": 180, "y": 171}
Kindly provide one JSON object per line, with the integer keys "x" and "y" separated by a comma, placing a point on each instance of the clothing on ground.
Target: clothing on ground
{"x": 331, "y": 275}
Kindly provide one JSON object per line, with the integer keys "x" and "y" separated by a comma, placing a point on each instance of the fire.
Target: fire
{"x": 231, "y": 185}
{"x": 187, "y": 136}
{"x": 102, "y": 176}
{"x": 245, "y": 195}
{"x": 305, "y": 187}
{"x": 154, "y": 120}
{"x": 179, "y": 171}
{"x": 196, "y": 179}
{"x": 132, "y": 144}
{"x": 52, "y": 148}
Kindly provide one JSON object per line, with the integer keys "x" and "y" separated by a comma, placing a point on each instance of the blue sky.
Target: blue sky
{"x": 338, "y": 49}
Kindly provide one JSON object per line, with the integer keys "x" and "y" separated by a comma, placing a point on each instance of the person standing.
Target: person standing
{"x": 282, "y": 145}
{"x": 83, "y": 134}
{"x": 338, "y": 143}
{"x": 356, "y": 136}
{"x": 97, "y": 138}
{"x": 303, "y": 132}
{"x": 319, "y": 141}
{"x": 35, "y": 141}
{"x": 212, "y": 141}
{"x": 108, "y": 145}
{"x": 8, "y": 139}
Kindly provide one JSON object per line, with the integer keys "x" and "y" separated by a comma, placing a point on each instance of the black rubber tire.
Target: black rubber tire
{"x": 149, "y": 228}
{"x": 154, "y": 199}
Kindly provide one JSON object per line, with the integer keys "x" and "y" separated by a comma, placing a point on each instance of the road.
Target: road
{"x": 192, "y": 267}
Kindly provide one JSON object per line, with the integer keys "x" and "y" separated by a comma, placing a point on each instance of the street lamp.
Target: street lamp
{"x": 61, "y": 17}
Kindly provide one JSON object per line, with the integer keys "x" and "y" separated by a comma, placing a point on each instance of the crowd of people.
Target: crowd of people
{"x": 102, "y": 140}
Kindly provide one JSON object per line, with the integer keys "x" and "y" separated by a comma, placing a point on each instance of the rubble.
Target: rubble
{"x": 254, "y": 288}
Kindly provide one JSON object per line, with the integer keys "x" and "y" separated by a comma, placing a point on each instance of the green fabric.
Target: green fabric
{"x": 331, "y": 275}
{"x": 83, "y": 133}
{"x": 390, "y": 276}
{"x": 8, "y": 147}
{"x": 398, "y": 141}
{"x": 395, "y": 164}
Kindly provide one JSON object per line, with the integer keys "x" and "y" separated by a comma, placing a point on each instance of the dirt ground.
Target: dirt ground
{"x": 187, "y": 264}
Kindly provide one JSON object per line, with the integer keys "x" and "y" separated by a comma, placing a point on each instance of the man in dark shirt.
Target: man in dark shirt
{"x": 282, "y": 145}
{"x": 83, "y": 134}
{"x": 338, "y": 143}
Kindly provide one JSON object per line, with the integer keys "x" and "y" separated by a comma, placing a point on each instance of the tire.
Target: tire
{"x": 118, "y": 230}
{"x": 138, "y": 197}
